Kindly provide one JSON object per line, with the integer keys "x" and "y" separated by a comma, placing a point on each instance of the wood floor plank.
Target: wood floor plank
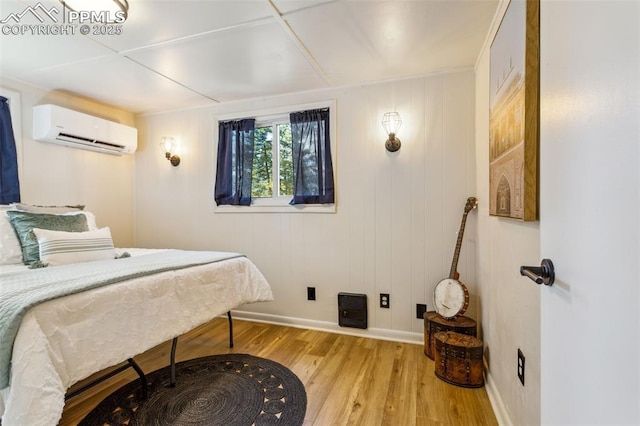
{"x": 349, "y": 380}
{"x": 340, "y": 404}
{"x": 400, "y": 407}
{"x": 321, "y": 383}
{"x": 376, "y": 375}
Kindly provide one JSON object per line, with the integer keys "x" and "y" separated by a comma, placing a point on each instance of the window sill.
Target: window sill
{"x": 278, "y": 208}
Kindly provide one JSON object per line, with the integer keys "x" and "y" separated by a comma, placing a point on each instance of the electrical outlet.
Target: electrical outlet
{"x": 420, "y": 310}
{"x": 311, "y": 293}
{"x": 521, "y": 366}
{"x": 385, "y": 302}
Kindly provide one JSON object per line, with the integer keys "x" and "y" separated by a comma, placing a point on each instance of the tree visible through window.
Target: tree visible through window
{"x": 261, "y": 176}
{"x": 272, "y": 161}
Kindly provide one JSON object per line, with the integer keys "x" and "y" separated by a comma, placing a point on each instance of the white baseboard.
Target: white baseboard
{"x": 373, "y": 333}
{"x": 499, "y": 409}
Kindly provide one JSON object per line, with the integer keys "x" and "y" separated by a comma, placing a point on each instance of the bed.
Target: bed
{"x": 66, "y": 339}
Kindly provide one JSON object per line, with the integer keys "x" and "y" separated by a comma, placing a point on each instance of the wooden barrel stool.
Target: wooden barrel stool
{"x": 458, "y": 359}
{"x": 435, "y": 323}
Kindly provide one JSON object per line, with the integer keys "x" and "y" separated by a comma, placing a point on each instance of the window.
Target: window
{"x": 276, "y": 161}
{"x": 272, "y": 160}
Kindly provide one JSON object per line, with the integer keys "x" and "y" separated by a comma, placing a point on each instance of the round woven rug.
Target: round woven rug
{"x": 229, "y": 389}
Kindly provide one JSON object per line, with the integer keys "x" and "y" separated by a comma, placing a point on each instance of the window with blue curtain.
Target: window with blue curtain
{"x": 9, "y": 184}
{"x": 312, "y": 165}
{"x": 287, "y": 156}
{"x": 235, "y": 162}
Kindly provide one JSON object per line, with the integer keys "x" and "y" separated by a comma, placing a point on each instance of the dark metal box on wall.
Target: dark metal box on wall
{"x": 352, "y": 310}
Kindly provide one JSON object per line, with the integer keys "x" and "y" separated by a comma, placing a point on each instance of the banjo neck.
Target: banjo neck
{"x": 471, "y": 204}
{"x": 453, "y": 273}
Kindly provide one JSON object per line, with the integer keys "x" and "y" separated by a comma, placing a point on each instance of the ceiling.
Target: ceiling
{"x": 183, "y": 53}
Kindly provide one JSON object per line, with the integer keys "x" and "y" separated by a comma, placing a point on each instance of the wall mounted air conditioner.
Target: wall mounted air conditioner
{"x": 52, "y": 123}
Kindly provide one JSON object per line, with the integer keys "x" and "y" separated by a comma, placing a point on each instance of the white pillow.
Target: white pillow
{"x": 10, "y": 248}
{"x": 60, "y": 247}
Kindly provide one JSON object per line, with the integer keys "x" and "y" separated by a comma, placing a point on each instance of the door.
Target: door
{"x": 589, "y": 213}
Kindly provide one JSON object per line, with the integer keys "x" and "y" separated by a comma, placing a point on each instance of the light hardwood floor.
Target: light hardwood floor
{"x": 349, "y": 380}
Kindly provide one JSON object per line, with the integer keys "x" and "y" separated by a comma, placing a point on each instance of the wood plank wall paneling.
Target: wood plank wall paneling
{"x": 52, "y": 174}
{"x": 418, "y": 182}
{"x": 435, "y": 253}
{"x": 397, "y": 213}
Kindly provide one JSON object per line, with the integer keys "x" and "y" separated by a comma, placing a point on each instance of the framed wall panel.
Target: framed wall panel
{"x": 514, "y": 113}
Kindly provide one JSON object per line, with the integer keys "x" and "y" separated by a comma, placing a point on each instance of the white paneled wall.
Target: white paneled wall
{"x": 397, "y": 215}
{"x": 509, "y": 304}
{"x": 57, "y": 175}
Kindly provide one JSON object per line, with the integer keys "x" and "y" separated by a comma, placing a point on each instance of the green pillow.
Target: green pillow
{"x": 24, "y": 222}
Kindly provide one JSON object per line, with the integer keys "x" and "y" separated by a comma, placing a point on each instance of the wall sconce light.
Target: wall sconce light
{"x": 391, "y": 122}
{"x": 168, "y": 147}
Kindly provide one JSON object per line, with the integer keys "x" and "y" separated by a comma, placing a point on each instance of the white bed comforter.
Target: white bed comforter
{"x": 66, "y": 340}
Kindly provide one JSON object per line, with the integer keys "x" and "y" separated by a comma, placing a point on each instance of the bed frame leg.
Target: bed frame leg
{"x": 174, "y": 344}
{"x": 130, "y": 363}
{"x": 143, "y": 377}
{"x": 230, "y": 329}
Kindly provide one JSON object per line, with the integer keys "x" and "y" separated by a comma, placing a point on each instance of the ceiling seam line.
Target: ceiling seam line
{"x": 310, "y": 7}
{"x": 301, "y": 46}
{"x": 171, "y": 79}
{"x": 256, "y": 22}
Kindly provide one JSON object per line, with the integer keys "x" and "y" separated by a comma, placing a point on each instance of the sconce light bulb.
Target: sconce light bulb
{"x": 168, "y": 146}
{"x": 391, "y": 122}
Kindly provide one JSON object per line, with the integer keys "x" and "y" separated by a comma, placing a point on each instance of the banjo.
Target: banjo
{"x": 450, "y": 296}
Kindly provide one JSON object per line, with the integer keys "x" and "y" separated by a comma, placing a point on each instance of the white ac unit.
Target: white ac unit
{"x": 52, "y": 123}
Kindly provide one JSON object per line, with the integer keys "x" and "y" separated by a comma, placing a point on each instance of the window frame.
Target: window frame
{"x": 281, "y": 204}
{"x": 273, "y": 122}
